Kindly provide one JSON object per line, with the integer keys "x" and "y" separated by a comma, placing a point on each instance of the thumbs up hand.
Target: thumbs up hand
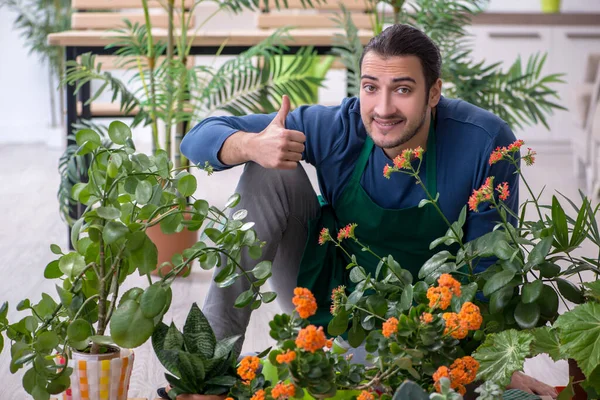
{"x": 276, "y": 146}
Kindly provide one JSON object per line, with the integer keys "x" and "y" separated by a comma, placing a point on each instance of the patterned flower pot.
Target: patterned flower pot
{"x": 100, "y": 376}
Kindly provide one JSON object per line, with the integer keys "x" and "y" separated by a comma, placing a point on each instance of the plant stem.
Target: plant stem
{"x": 101, "y": 299}
{"x": 535, "y": 201}
{"x": 84, "y": 303}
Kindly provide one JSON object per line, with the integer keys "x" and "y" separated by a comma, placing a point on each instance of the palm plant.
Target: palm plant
{"x": 36, "y": 19}
{"x": 520, "y": 96}
{"x": 170, "y": 93}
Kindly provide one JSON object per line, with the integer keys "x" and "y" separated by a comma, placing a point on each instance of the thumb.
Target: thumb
{"x": 283, "y": 111}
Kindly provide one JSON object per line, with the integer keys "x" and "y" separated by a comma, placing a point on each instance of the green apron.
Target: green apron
{"x": 404, "y": 233}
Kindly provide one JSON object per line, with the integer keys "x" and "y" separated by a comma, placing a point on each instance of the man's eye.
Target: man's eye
{"x": 403, "y": 90}
{"x": 369, "y": 88}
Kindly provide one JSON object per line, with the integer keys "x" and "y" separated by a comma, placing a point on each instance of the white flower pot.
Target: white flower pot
{"x": 100, "y": 376}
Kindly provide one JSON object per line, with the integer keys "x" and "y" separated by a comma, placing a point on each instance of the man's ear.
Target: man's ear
{"x": 435, "y": 92}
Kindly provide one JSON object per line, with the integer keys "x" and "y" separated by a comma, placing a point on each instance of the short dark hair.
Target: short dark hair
{"x": 405, "y": 40}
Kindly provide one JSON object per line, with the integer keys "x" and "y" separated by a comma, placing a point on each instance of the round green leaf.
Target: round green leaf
{"x": 71, "y": 264}
{"x": 527, "y": 315}
{"x": 244, "y": 298}
{"x": 153, "y": 300}
{"x": 233, "y": 201}
{"x": 119, "y": 132}
{"x": 52, "y": 270}
{"x": 112, "y": 170}
{"x": 570, "y": 291}
{"x": 169, "y": 224}
{"x": 239, "y": 215}
{"x": 420, "y": 292}
{"x": 113, "y": 231}
{"x": 131, "y": 294}
{"x": 46, "y": 341}
{"x": 88, "y": 135}
{"x": 29, "y": 380}
{"x": 79, "y": 330}
{"x": 531, "y": 291}
{"x": 497, "y": 282}
{"x": 59, "y": 384}
{"x": 548, "y": 269}
{"x": 187, "y": 185}
{"x": 143, "y": 192}
{"x": 268, "y": 297}
{"x": 55, "y": 249}
{"x": 338, "y": 324}
{"x": 503, "y": 250}
{"x": 128, "y": 326}
{"x": 202, "y": 207}
{"x": 500, "y": 299}
{"x": 108, "y": 212}
{"x": 548, "y": 302}
{"x": 262, "y": 270}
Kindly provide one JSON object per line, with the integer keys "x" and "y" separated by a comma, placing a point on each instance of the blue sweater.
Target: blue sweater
{"x": 466, "y": 135}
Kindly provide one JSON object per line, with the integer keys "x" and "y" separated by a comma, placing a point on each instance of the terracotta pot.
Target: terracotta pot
{"x": 578, "y": 376}
{"x": 168, "y": 245}
{"x": 100, "y": 376}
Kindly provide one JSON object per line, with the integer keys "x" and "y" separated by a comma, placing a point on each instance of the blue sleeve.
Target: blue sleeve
{"x": 321, "y": 125}
{"x": 481, "y": 222}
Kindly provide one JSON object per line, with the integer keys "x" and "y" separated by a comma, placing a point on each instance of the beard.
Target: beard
{"x": 410, "y": 130}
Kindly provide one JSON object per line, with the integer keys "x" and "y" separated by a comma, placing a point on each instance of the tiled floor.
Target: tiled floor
{"x": 28, "y": 197}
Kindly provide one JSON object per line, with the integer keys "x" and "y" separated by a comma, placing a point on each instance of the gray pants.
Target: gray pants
{"x": 280, "y": 203}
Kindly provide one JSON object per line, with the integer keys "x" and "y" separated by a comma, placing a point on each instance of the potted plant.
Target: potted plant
{"x": 66, "y": 336}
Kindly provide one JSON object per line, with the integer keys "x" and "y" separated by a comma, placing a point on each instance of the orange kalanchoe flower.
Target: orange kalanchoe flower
{"x": 347, "y": 232}
{"x": 529, "y": 158}
{"x": 364, "y": 395}
{"x": 503, "y": 190}
{"x": 324, "y": 236}
{"x": 497, "y": 155}
{"x": 446, "y": 280}
{"x": 439, "y": 297}
{"x": 481, "y": 195}
{"x": 426, "y": 318}
{"x": 283, "y": 391}
{"x": 229, "y": 398}
{"x": 471, "y": 316}
{"x": 387, "y": 171}
{"x": 311, "y": 339}
{"x": 247, "y": 368}
{"x": 515, "y": 146}
{"x": 464, "y": 370}
{"x": 260, "y": 395}
{"x": 286, "y": 357}
{"x": 455, "y": 326}
{"x": 442, "y": 372}
{"x": 338, "y": 299}
{"x": 390, "y": 327}
{"x": 305, "y": 302}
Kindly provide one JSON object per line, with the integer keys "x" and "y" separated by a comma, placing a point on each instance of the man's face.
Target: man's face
{"x": 393, "y": 101}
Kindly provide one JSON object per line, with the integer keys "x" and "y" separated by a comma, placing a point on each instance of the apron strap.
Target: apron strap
{"x": 361, "y": 163}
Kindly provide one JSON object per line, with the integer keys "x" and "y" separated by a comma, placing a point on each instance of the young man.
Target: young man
{"x": 400, "y": 106}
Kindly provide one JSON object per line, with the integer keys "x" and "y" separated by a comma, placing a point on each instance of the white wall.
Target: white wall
{"x": 24, "y": 89}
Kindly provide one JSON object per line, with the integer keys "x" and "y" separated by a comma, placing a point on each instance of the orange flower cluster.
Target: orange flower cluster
{"x": 481, "y": 195}
{"x": 311, "y": 339}
{"x": 502, "y": 152}
{"x": 462, "y": 372}
{"x": 503, "y": 190}
{"x": 338, "y": 298}
{"x": 347, "y": 232}
{"x": 529, "y": 158}
{"x": 247, "y": 368}
{"x": 426, "y": 318}
{"x": 229, "y": 398}
{"x": 441, "y": 296}
{"x": 403, "y": 161}
{"x": 286, "y": 357}
{"x": 390, "y": 327}
{"x": 468, "y": 319}
{"x": 283, "y": 391}
{"x": 260, "y": 395}
{"x": 324, "y": 236}
{"x": 364, "y": 395}
{"x": 305, "y": 302}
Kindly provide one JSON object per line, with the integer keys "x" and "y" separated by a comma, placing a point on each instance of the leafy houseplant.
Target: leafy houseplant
{"x": 174, "y": 96}
{"x": 127, "y": 193}
{"x": 520, "y": 95}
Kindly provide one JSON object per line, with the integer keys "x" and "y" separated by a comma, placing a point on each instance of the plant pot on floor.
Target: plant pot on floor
{"x": 100, "y": 376}
{"x": 168, "y": 245}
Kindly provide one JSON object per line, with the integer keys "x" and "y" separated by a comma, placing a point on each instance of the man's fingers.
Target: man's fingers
{"x": 283, "y": 112}
{"x": 292, "y": 156}
{"x": 294, "y": 147}
{"x": 545, "y": 390}
{"x": 287, "y": 165}
{"x": 295, "y": 136}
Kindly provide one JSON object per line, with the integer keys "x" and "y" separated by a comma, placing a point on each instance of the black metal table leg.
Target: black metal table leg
{"x": 71, "y": 100}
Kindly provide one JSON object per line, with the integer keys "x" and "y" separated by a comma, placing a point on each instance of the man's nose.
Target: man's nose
{"x": 385, "y": 107}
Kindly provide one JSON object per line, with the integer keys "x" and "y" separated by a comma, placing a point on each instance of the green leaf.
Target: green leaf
{"x": 128, "y": 326}
{"x": 224, "y": 347}
{"x": 497, "y": 282}
{"x": 79, "y": 330}
{"x": 568, "y": 392}
{"x": 377, "y": 304}
{"x": 338, "y": 324}
{"x": 268, "y": 297}
{"x": 56, "y": 249}
{"x": 170, "y": 223}
{"x": 559, "y": 220}
{"x": 103, "y": 340}
{"x": 153, "y": 300}
{"x": 503, "y": 250}
{"x": 233, "y": 201}
{"x": 119, "y": 132}
{"x": 570, "y": 291}
{"x": 244, "y": 298}
{"x": 548, "y": 302}
{"x": 198, "y": 335}
{"x": 579, "y": 332}
{"x": 467, "y": 294}
{"x": 410, "y": 390}
{"x": 527, "y": 315}
{"x": 548, "y": 269}
{"x": 357, "y": 274}
{"x": 593, "y": 289}
{"x": 113, "y": 231}
{"x": 143, "y": 192}
{"x": 356, "y": 334}
{"x": 502, "y": 354}
{"x": 187, "y": 185}
{"x": 75, "y": 233}
{"x": 46, "y": 341}
{"x": 71, "y": 264}
{"x": 546, "y": 342}
{"x": 52, "y": 270}
{"x": 108, "y": 212}
{"x": 262, "y": 270}
{"x": 405, "y": 298}
{"x": 431, "y": 266}
{"x": 88, "y": 136}
{"x": 532, "y": 291}
{"x": 539, "y": 252}
{"x": 501, "y": 299}
{"x": 145, "y": 258}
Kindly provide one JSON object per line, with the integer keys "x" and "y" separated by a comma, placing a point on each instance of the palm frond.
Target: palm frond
{"x": 348, "y": 48}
